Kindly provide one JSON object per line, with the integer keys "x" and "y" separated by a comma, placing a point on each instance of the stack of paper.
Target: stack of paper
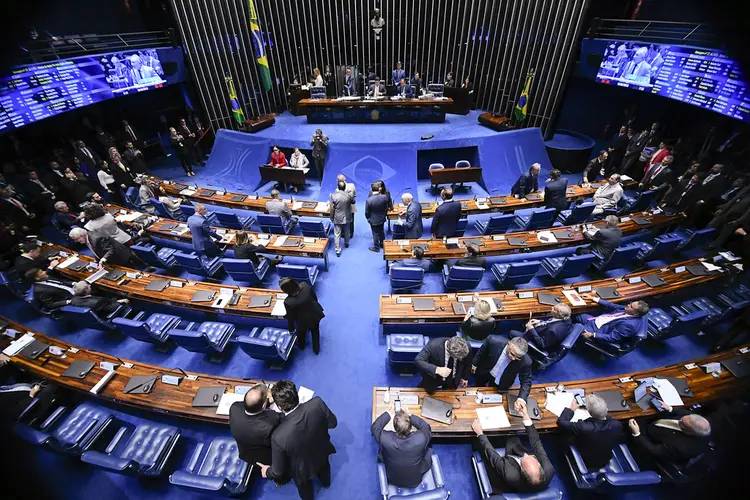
{"x": 573, "y": 298}
{"x": 546, "y": 237}
{"x": 279, "y": 241}
{"x": 667, "y": 392}
{"x": 493, "y": 417}
{"x": 483, "y": 206}
{"x": 558, "y": 401}
{"x": 227, "y": 400}
{"x": 18, "y": 345}
{"x": 305, "y": 394}
{"x": 322, "y": 206}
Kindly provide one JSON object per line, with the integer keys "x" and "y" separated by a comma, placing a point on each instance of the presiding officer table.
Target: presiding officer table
{"x": 368, "y": 110}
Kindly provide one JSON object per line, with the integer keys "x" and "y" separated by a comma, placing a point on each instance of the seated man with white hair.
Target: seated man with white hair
{"x": 547, "y": 334}
{"x": 102, "y": 306}
{"x": 608, "y": 195}
{"x": 596, "y": 436}
{"x": 679, "y": 436}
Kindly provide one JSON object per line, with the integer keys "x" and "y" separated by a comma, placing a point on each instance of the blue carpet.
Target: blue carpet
{"x": 352, "y": 361}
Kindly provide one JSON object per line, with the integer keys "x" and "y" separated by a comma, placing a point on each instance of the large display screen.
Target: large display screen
{"x": 702, "y": 77}
{"x": 38, "y": 91}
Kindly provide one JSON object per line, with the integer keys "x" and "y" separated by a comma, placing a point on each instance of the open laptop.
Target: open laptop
{"x": 738, "y": 366}
{"x": 532, "y": 406}
{"x": 435, "y": 409}
{"x": 642, "y": 397}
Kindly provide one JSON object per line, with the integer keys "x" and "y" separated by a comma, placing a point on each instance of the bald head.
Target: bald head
{"x": 256, "y": 398}
{"x": 695, "y": 425}
{"x": 532, "y": 470}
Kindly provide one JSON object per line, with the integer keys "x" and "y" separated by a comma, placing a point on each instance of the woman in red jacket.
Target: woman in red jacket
{"x": 277, "y": 158}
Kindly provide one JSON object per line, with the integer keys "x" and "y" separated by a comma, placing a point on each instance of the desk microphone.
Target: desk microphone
{"x": 181, "y": 371}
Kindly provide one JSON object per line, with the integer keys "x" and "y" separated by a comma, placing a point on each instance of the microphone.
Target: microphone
{"x": 178, "y": 369}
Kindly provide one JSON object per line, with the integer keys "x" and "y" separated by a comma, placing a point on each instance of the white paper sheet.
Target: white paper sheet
{"x": 187, "y": 192}
{"x": 558, "y": 401}
{"x": 580, "y": 414}
{"x": 69, "y": 261}
{"x": 573, "y": 298}
{"x": 493, "y": 417}
{"x": 18, "y": 345}
{"x": 279, "y": 309}
{"x": 227, "y": 400}
{"x": 546, "y": 237}
{"x": 667, "y": 392}
{"x": 279, "y": 241}
{"x": 322, "y": 206}
{"x": 296, "y": 205}
{"x": 305, "y": 394}
{"x": 710, "y": 267}
{"x": 94, "y": 277}
{"x": 129, "y": 217}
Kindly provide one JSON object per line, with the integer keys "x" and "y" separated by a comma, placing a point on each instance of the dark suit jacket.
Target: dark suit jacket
{"x": 253, "y": 432}
{"x": 487, "y": 356}
{"x": 406, "y": 459}
{"x": 303, "y": 309}
{"x": 65, "y": 220}
{"x": 473, "y": 261}
{"x": 76, "y": 191}
{"x": 35, "y": 191}
{"x": 525, "y": 184}
{"x": 711, "y": 191}
{"x": 431, "y": 357}
{"x": 136, "y": 162}
{"x": 605, "y": 241}
{"x": 661, "y": 181}
{"x": 301, "y": 444}
{"x": 413, "y": 221}
{"x": 592, "y": 170}
{"x": 13, "y": 404}
{"x": 102, "y": 306}
{"x": 594, "y": 438}
{"x": 478, "y": 329}
{"x": 675, "y": 199}
{"x": 446, "y": 218}
{"x": 550, "y": 335}
{"x": 23, "y": 264}
{"x": 91, "y": 161}
{"x": 667, "y": 444}
{"x": 618, "y": 329}
{"x": 555, "y": 195}
{"x": 50, "y": 296}
{"x": 376, "y": 209}
{"x": 248, "y": 251}
{"x": 106, "y": 247}
{"x": 509, "y": 470}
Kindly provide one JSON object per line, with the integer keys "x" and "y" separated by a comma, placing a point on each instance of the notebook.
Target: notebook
{"x": 48, "y": 253}
{"x": 498, "y": 304}
{"x": 157, "y": 285}
{"x": 208, "y": 396}
{"x": 436, "y": 409}
{"x": 698, "y": 270}
{"x": 79, "y": 369}
{"x": 548, "y": 299}
{"x": 238, "y": 198}
{"x": 140, "y": 384}
{"x": 423, "y": 304}
{"x": 738, "y": 366}
{"x": 681, "y": 386}
{"x": 114, "y": 275}
{"x": 458, "y": 308}
{"x": 517, "y": 242}
{"x": 533, "y": 197}
{"x": 423, "y": 246}
{"x": 607, "y": 292}
{"x": 426, "y": 206}
{"x": 653, "y": 280}
{"x": 260, "y": 301}
{"x": 203, "y": 296}
{"x": 473, "y": 241}
{"x": 35, "y": 349}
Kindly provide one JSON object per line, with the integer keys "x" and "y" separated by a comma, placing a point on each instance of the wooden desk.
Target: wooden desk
{"x": 315, "y": 248}
{"x": 498, "y": 244}
{"x": 369, "y": 102}
{"x": 284, "y": 175}
{"x": 393, "y": 313}
{"x": 705, "y": 388}
{"x": 376, "y": 111}
{"x": 251, "y": 202}
{"x": 164, "y": 398}
{"x": 172, "y": 296}
{"x": 455, "y": 175}
{"x": 505, "y": 203}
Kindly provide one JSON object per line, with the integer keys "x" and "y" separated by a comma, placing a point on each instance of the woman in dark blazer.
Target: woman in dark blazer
{"x": 478, "y": 323}
{"x": 303, "y": 311}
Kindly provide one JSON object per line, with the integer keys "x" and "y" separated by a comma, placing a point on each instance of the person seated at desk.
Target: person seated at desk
{"x": 252, "y": 423}
{"x": 499, "y": 361}
{"x": 678, "y": 436}
{"x": 608, "y": 195}
{"x": 520, "y": 470}
{"x": 51, "y": 293}
{"x": 413, "y": 227}
{"x": 478, "y": 323}
{"x": 277, "y": 206}
{"x": 527, "y": 183}
{"x": 556, "y": 192}
{"x": 278, "y": 159}
{"x": 417, "y": 260}
{"x": 397, "y": 74}
{"x": 596, "y": 436}
{"x": 299, "y": 162}
{"x": 15, "y": 399}
{"x": 376, "y": 89}
{"x": 444, "y": 362}
{"x": 472, "y": 258}
{"x": 603, "y": 241}
{"x": 405, "y": 90}
{"x": 31, "y": 258}
{"x": 407, "y": 455}
{"x": 446, "y": 216}
{"x": 547, "y": 334}
{"x": 102, "y": 306}
{"x": 246, "y": 247}
{"x": 623, "y": 322}
{"x": 63, "y": 217}
{"x": 417, "y": 81}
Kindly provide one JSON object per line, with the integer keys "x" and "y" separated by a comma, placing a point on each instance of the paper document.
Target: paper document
{"x": 296, "y": 205}
{"x": 94, "y": 277}
{"x": 67, "y": 262}
{"x": 129, "y": 217}
{"x": 309, "y": 240}
{"x": 279, "y": 241}
{"x": 625, "y": 178}
{"x": 667, "y": 392}
{"x": 305, "y": 394}
{"x": 187, "y": 192}
{"x": 18, "y": 345}
{"x": 263, "y": 243}
{"x": 452, "y": 241}
{"x": 729, "y": 256}
{"x": 558, "y": 401}
{"x": 546, "y": 237}
{"x": 483, "y": 206}
{"x": 580, "y": 414}
{"x": 573, "y": 298}
{"x": 493, "y": 417}
{"x": 710, "y": 267}
{"x": 279, "y": 309}
{"x": 322, "y": 206}
{"x": 227, "y": 400}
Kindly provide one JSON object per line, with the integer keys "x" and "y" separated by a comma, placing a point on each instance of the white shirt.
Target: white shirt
{"x": 608, "y": 318}
{"x": 105, "y": 179}
{"x": 298, "y": 161}
{"x": 709, "y": 178}
{"x": 319, "y": 81}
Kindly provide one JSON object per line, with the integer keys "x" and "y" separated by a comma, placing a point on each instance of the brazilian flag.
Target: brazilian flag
{"x": 237, "y": 112}
{"x": 260, "y": 50}
{"x": 520, "y": 111}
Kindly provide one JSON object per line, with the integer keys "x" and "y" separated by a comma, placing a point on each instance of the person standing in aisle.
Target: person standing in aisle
{"x": 319, "y": 143}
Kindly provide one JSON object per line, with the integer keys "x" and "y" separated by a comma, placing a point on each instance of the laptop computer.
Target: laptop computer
{"x": 290, "y": 242}
{"x": 260, "y": 301}
{"x": 614, "y": 400}
{"x": 168, "y": 226}
{"x": 498, "y": 200}
{"x": 209, "y": 396}
{"x": 48, "y": 253}
{"x": 78, "y": 265}
{"x": 738, "y": 366}
{"x": 423, "y": 304}
{"x": 533, "y": 197}
{"x": 79, "y": 369}
{"x": 238, "y": 198}
{"x": 207, "y": 192}
{"x": 203, "y": 296}
{"x": 114, "y": 275}
{"x": 548, "y": 299}
{"x": 517, "y": 242}
{"x": 653, "y": 280}
{"x": 641, "y": 221}
{"x": 35, "y": 349}
{"x": 563, "y": 235}
{"x": 532, "y": 406}
{"x": 157, "y": 285}
{"x": 434, "y": 409}
{"x": 607, "y": 292}
{"x": 458, "y": 308}
{"x": 498, "y": 304}
{"x": 473, "y": 241}
{"x": 642, "y": 397}
{"x": 140, "y": 384}
{"x": 681, "y": 385}
{"x": 698, "y": 270}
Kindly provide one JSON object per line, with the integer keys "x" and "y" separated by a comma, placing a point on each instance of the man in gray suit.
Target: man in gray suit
{"x": 352, "y": 190}
{"x": 341, "y": 215}
{"x": 603, "y": 241}
{"x": 276, "y": 206}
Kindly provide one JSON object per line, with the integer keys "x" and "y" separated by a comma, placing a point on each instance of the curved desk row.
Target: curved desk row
{"x": 524, "y": 303}
{"x": 275, "y": 244}
{"x": 178, "y": 293}
{"x": 564, "y": 236}
{"x": 164, "y": 398}
{"x": 704, "y": 387}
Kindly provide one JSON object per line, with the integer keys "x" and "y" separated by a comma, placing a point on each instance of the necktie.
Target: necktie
{"x": 86, "y": 152}
{"x": 19, "y": 205}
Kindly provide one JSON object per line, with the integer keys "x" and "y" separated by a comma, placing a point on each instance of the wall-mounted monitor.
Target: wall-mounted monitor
{"x": 37, "y": 91}
{"x": 707, "y": 78}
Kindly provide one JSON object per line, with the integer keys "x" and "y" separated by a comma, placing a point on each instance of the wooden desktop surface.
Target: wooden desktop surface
{"x": 334, "y": 103}
{"x": 391, "y": 312}
{"x": 705, "y": 388}
{"x": 499, "y": 245}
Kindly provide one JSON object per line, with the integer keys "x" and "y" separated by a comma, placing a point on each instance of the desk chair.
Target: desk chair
{"x": 435, "y": 166}
{"x": 714, "y": 313}
{"x": 539, "y": 218}
{"x": 308, "y": 274}
{"x": 695, "y": 469}
{"x": 402, "y": 348}
{"x": 515, "y": 273}
{"x": 497, "y": 224}
{"x": 432, "y": 486}
{"x": 570, "y": 266}
{"x": 553, "y": 492}
{"x": 85, "y": 317}
{"x": 462, "y": 277}
{"x": 162, "y": 211}
{"x": 269, "y": 344}
{"x": 405, "y": 279}
{"x": 662, "y": 325}
{"x": 618, "y": 349}
{"x": 154, "y": 329}
{"x": 242, "y": 270}
{"x": 198, "y": 264}
{"x": 12, "y": 286}
{"x": 545, "y": 358}
{"x": 157, "y": 257}
{"x": 580, "y": 213}
{"x": 209, "y": 337}
{"x": 462, "y": 164}
{"x": 188, "y": 209}
{"x": 641, "y": 202}
{"x": 622, "y": 257}
{"x": 215, "y": 467}
{"x": 663, "y": 249}
{"x": 621, "y": 471}
{"x": 274, "y": 224}
{"x": 133, "y": 199}
{"x": 38, "y": 307}
{"x": 691, "y": 238}
{"x": 315, "y": 228}
{"x": 232, "y": 220}
{"x": 461, "y": 226}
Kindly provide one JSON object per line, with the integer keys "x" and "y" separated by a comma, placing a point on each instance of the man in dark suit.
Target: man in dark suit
{"x": 616, "y": 151}
{"x": 733, "y": 217}
{"x": 376, "y": 213}
{"x": 75, "y": 189}
{"x": 417, "y": 260}
{"x": 102, "y": 306}
{"x": 128, "y": 134}
{"x": 555, "y": 192}
{"x": 548, "y": 333}
{"x": 678, "y": 436}
{"x": 31, "y": 258}
{"x": 14, "y": 211}
{"x": 54, "y": 176}
{"x": 89, "y": 158}
{"x": 683, "y": 196}
{"x": 16, "y": 398}
{"x": 595, "y": 167}
{"x": 41, "y": 195}
{"x": 407, "y": 455}
{"x": 604, "y": 241}
{"x": 446, "y": 215}
{"x": 521, "y": 470}
{"x": 472, "y": 258}
{"x": 376, "y": 89}
{"x": 633, "y": 153}
{"x": 659, "y": 178}
{"x": 444, "y": 362}
{"x": 499, "y": 361}
{"x": 300, "y": 445}
{"x": 413, "y": 222}
{"x": 51, "y": 293}
{"x": 135, "y": 159}
{"x": 527, "y": 183}
{"x": 202, "y": 234}
{"x": 303, "y": 311}
{"x": 405, "y": 90}
{"x": 252, "y": 424}
{"x": 711, "y": 189}
{"x": 191, "y": 136}
{"x": 107, "y": 249}
{"x": 596, "y": 436}
{"x": 622, "y": 323}
{"x": 63, "y": 217}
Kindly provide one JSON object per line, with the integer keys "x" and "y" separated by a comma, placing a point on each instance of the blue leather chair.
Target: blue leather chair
{"x": 11, "y": 286}
{"x": 188, "y": 210}
{"x": 198, "y": 264}
{"x": 133, "y": 199}
{"x": 539, "y": 218}
{"x": 210, "y": 337}
{"x": 570, "y": 266}
{"x": 691, "y": 239}
{"x": 307, "y": 274}
{"x": 73, "y": 433}
{"x": 641, "y": 202}
{"x": 145, "y": 453}
{"x": 435, "y": 166}
{"x": 403, "y": 348}
{"x": 461, "y": 226}
{"x": 618, "y": 349}
{"x": 621, "y": 471}
{"x": 663, "y": 248}
{"x": 274, "y": 224}
{"x": 398, "y": 232}
{"x": 516, "y": 273}
{"x": 268, "y": 344}
{"x": 38, "y": 307}
{"x": 663, "y": 325}
{"x": 577, "y": 215}
{"x": 315, "y": 228}
{"x": 162, "y": 257}
{"x": 462, "y": 277}
{"x": 432, "y": 486}
{"x": 154, "y": 329}
{"x": 694, "y": 470}
{"x": 231, "y": 219}
{"x": 553, "y": 492}
{"x": 545, "y": 358}
{"x": 497, "y": 224}
{"x": 215, "y": 467}
{"x": 85, "y": 317}
{"x": 162, "y": 211}
{"x": 736, "y": 299}
{"x": 715, "y": 313}
{"x": 242, "y": 270}
{"x": 406, "y": 278}
{"x": 622, "y": 257}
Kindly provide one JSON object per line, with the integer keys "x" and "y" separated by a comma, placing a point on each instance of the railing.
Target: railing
{"x": 701, "y": 35}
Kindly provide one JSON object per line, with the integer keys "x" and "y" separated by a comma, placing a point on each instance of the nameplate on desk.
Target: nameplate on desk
{"x": 679, "y": 269}
{"x": 499, "y": 237}
{"x": 309, "y": 240}
{"x": 191, "y": 377}
{"x": 128, "y": 365}
{"x": 625, "y": 219}
{"x": 408, "y": 399}
{"x": 492, "y": 398}
{"x": 744, "y": 350}
{"x": 584, "y": 288}
{"x": 466, "y": 298}
{"x": 635, "y": 280}
{"x": 263, "y": 236}
{"x": 178, "y": 284}
{"x": 132, "y": 276}
{"x": 525, "y": 295}
{"x": 73, "y": 350}
{"x": 171, "y": 379}
{"x": 403, "y": 300}
{"x": 107, "y": 366}
{"x": 403, "y": 243}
